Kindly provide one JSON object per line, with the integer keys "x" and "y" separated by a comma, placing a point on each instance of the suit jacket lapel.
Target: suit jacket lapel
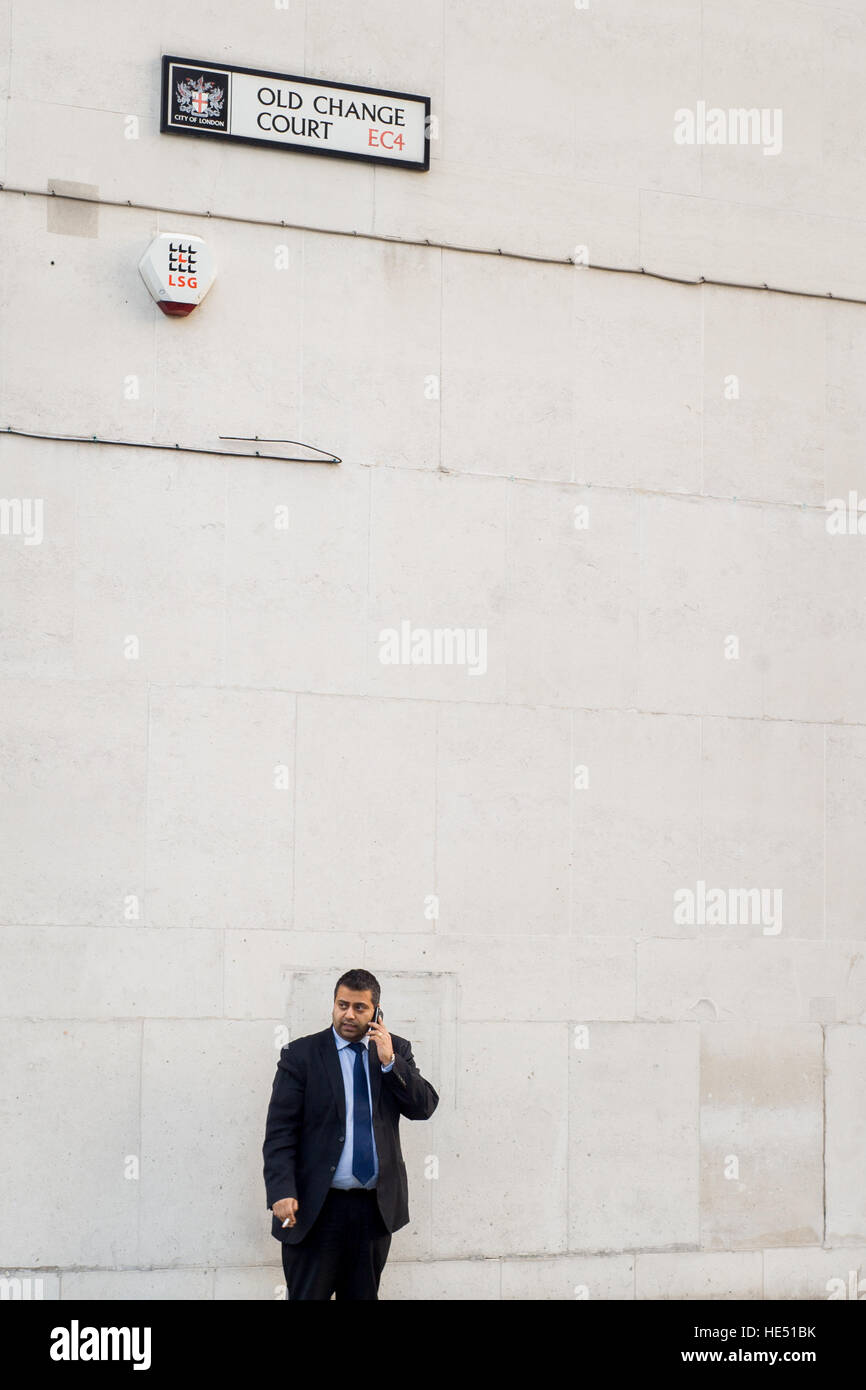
{"x": 334, "y": 1070}
{"x": 375, "y": 1075}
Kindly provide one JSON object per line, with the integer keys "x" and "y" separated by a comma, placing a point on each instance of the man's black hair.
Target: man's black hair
{"x": 360, "y": 980}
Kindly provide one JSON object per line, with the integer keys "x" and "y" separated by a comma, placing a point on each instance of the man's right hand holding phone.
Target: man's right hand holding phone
{"x": 285, "y": 1210}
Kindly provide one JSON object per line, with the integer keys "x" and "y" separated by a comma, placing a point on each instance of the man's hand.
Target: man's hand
{"x": 284, "y": 1210}
{"x": 384, "y": 1046}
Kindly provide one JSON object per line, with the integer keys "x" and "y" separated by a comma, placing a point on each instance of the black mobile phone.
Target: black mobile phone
{"x": 377, "y": 1015}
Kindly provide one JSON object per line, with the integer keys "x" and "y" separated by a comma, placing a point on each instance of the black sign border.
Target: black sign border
{"x": 204, "y": 134}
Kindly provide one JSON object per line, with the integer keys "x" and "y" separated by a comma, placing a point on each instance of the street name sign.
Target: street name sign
{"x": 218, "y": 101}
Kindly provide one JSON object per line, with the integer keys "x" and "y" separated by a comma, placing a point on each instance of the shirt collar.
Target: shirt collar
{"x": 347, "y": 1042}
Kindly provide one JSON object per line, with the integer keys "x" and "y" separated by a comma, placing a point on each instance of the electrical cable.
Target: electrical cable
{"x": 439, "y": 245}
{"x": 389, "y": 240}
{"x": 184, "y": 448}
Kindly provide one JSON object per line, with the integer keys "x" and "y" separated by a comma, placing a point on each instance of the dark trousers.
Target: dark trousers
{"x": 344, "y": 1251}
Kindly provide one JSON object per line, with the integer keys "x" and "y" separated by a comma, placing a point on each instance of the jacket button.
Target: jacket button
{"x": 342, "y": 1138}
{"x": 333, "y": 1170}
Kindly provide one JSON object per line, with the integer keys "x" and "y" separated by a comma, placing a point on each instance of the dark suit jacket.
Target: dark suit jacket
{"x": 306, "y": 1127}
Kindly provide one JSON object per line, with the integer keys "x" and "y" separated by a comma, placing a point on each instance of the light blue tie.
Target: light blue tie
{"x": 362, "y": 1148}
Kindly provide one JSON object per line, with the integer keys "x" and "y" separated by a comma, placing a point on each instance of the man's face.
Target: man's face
{"x": 353, "y": 1012}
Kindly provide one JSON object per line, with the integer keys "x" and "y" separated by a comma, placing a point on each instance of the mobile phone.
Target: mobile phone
{"x": 377, "y": 1016}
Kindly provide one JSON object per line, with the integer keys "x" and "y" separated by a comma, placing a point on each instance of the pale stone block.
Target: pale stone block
{"x": 418, "y": 1141}
{"x": 491, "y": 53}
{"x": 260, "y": 966}
{"x": 204, "y": 1097}
{"x": 269, "y": 37}
{"x": 67, "y": 748}
{"x": 558, "y": 977}
{"x": 109, "y": 972}
{"x": 465, "y": 204}
{"x": 764, "y": 396}
{"x": 37, "y": 557}
{"x": 371, "y": 353}
{"x": 508, "y": 339}
{"x": 720, "y": 240}
{"x": 816, "y": 659}
{"x": 440, "y": 1281}
{"x": 296, "y": 575}
{"x": 502, "y": 841}
{"x": 572, "y": 599}
{"x": 569, "y": 1278}
{"x": 508, "y": 1168}
{"x": 385, "y": 46}
{"x": 365, "y": 817}
{"x": 846, "y": 1134}
{"x": 830, "y": 1275}
{"x": 761, "y": 1134}
{"x": 635, "y": 66}
{"x": 106, "y": 1285}
{"x": 845, "y": 422}
{"x": 202, "y": 393}
{"x": 149, "y": 611}
{"x": 637, "y": 375}
{"x": 702, "y": 1277}
{"x": 41, "y": 37}
{"x": 633, "y": 1164}
{"x": 742, "y": 44}
{"x": 72, "y": 1094}
{"x": 770, "y": 980}
{"x": 5, "y": 34}
{"x": 636, "y": 822}
{"x": 702, "y": 563}
{"x": 279, "y": 186}
{"x": 842, "y": 190}
{"x": 48, "y": 141}
{"x": 73, "y": 208}
{"x": 845, "y": 813}
{"x": 262, "y": 1284}
{"x": 50, "y": 382}
{"x": 219, "y": 816}
{"x": 416, "y": 521}
{"x": 762, "y": 826}
{"x": 406, "y": 952}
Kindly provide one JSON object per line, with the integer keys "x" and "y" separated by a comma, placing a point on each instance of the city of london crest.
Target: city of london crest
{"x": 200, "y": 98}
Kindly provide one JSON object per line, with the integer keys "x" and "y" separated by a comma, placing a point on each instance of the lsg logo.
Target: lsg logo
{"x": 855, "y": 1288}
{"x": 20, "y": 1290}
{"x": 182, "y": 257}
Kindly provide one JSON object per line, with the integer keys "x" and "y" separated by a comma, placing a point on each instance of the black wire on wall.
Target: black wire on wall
{"x": 438, "y": 245}
{"x": 366, "y": 236}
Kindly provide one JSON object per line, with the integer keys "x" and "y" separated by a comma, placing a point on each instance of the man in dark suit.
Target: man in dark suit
{"x": 334, "y": 1172}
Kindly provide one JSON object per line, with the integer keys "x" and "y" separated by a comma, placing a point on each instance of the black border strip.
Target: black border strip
{"x": 167, "y": 129}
